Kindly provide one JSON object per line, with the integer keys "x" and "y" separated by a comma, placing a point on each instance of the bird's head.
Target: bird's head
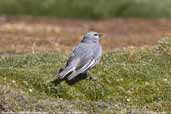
{"x": 91, "y": 37}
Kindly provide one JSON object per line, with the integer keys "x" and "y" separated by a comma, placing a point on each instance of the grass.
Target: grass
{"x": 128, "y": 80}
{"x": 93, "y": 9}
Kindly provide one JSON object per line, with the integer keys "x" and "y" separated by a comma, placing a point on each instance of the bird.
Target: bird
{"x": 83, "y": 57}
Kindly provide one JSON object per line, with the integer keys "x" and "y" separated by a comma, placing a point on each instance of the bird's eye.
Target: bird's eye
{"x": 96, "y": 34}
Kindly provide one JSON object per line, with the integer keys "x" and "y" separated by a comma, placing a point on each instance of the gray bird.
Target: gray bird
{"x": 84, "y": 57}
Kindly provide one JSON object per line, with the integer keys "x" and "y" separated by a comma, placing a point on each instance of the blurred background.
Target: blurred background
{"x": 90, "y": 9}
{"x": 56, "y": 25}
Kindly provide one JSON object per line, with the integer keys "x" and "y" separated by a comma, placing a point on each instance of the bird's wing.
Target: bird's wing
{"x": 71, "y": 65}
{"x": 88, "y": 65}
{"x": 79, "y": 57}
{"x": 69, "y": 68}
{"x": 87, "y": 59}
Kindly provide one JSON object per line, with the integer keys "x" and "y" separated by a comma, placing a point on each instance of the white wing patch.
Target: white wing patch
{"x": 84, "y": 68}
{"x": 65, "y": 72}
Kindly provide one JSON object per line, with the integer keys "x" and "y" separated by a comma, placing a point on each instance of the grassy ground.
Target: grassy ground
{"x": 93, "y": 9}
{"x": 127, "y": 81}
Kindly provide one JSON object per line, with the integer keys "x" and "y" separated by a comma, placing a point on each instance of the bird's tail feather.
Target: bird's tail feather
{"x": 65, "y": 72}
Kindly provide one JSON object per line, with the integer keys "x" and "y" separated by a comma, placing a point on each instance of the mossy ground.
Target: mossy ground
{"x": 127, "y": 80}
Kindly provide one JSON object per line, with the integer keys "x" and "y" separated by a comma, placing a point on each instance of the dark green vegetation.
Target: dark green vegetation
{"x": 127, "y": 79}
{"x": 87, "y": 8}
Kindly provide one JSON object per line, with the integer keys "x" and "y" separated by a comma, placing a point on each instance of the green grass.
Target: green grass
{"x": 139, "y": 78}
{"x": 93, "y": 9}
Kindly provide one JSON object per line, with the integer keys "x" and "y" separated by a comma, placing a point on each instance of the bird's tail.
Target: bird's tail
{"x": 65, "y": 72}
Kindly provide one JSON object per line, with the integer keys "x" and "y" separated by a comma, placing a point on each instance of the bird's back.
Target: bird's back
{"x": 84, "y": 50}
